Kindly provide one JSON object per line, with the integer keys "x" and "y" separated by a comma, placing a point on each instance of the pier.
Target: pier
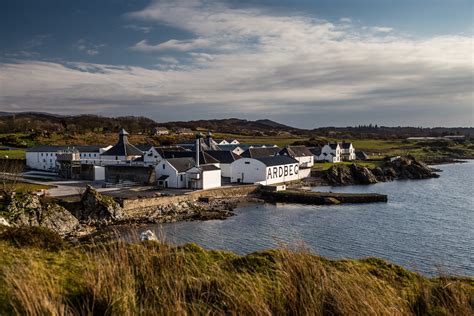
{"x": 321, "y": 198}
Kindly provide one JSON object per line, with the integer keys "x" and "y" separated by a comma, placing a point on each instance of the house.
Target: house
{"x": 122, "y": 151}
{"x": 171, "y": 173}
{"x": 183, "y": 131}
{"x": 330, "y": 152}
{"x": 360, "y": 155}
{"x": 203, "y": 177}
{"x": 159, "y": 130}
{"x": 347, "y": 151}
{"x": 183, "y": 173}
{"x": 151, "y": 156}
{"x": 225, "y": 159}
{"x": 257, "y": 152}
{"x": 265, "y": 170}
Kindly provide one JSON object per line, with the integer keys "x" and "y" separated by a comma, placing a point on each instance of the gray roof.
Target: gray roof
{"x": 296, "y": 151}
{"x": 316, "y": 151}
{"x": 277, "y": 160}
{"x": 182, "y": 164}
{"x": 123, "y": 147}
{"x": 260, "y": 152}
{"x": 208, "y": 168}
{"x": 333, "y": 145}
{"x": 223, "y": 156}
{"x": 203, "y": 156}
{"x": 360, "y": 155}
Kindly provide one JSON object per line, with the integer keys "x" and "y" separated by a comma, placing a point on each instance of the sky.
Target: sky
{"x": 306, "y": 63}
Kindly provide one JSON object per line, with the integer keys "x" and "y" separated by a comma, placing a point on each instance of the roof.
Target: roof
{"x": 277, "y": 160}
{"x": 203, "y": 156}
{"x": 316, "y": 151}
{"x": 209, "y": 167}
{"x": 260, "y": 152}
{"x": 89, "y": 149}
{"x": 123, "y": 147}
{"x": 223, "y": 156}
{"x": 144, "y": 147}
{"x": 296, "y": 151}
{"x": 182, "y": 164}
{"x": 333, "y": 145}
{"x": 345, "y": 145}
{"x": 230, "y": 147}
{"x": 160, "y": 128}
{"x": 361, "y": 155}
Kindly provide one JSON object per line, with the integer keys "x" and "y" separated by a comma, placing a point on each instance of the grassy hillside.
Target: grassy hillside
{"x": 40, "y": 275}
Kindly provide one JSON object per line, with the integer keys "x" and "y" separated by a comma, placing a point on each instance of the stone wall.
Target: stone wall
{"x": 143, "y": 203}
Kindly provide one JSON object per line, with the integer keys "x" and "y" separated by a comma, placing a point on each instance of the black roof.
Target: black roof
{"x": 144, "y": 147}
{"x": 223, "y": 156}
{"x": 260, "y": 152}
{"x": 182, "y": 164}
{"x": 277, "y": 160}
{"x": 345, "y": 145}
{"x": 360, "y": 155}
{"x": 210, "y": 167}
{"x": 333, "y": 145}
{"x": 123, "y": 147}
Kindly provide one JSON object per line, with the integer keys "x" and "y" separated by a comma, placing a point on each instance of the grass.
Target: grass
{"x": 12, "y": 154}
{"x": 152, "y": 278}
{"x": 368, "y": 164}
{"x": 23, "y": 187}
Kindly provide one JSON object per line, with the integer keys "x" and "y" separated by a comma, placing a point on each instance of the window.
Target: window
{"x": 163, "y": 166}
{"x": 116, "y": 157}
{"x": 247, "y": 162}
{"x": 181, "y": 177}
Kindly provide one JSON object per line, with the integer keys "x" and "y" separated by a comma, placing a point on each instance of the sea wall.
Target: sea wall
{"x": 145, "y": 203}
{"x": 321, "y": 198}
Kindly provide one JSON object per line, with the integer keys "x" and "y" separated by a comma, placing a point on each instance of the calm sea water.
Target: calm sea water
{"x": 427, "y": 225}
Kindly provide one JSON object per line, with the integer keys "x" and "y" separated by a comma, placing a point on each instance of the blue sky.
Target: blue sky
{"x": 307, "y": 63}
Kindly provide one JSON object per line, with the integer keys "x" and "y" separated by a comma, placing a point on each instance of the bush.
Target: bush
{"x": 36, "y": 237}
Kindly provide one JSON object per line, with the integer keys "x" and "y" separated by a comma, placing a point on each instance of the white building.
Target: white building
{"x": 304, "y": 156}
{"x": 121, "y": 152}
{"x": 159, "y": 130}
{"x": 330, "y": 152}
{"x": 183, "y": 173}
{"x": 45, "y": 157}
{"x": 347, "y": 151}
{"x": 171, "y": 173}
{"x": 151, "y": 156}
{"x": 203, "y": 177}
{"x": 265, "y": 170}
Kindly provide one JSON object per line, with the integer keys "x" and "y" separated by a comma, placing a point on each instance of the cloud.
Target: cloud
{"x": 176, "y": 45}
{"x": 250, "y": 63}
{"x": 87, "y": 47}
{"x": 138, "y": 28}
{"x": 382, "y": 29}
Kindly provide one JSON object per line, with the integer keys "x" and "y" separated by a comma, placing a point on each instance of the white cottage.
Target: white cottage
{"x": 203, "y": 177}
{"x": 331, "y": 153}
{"x": 265, "y": 170}
{"x": 347, "y": 151}
{"x": 171, "y": 173}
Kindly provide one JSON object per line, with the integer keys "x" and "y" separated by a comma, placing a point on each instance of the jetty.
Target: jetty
{"x": 321, "y": 198}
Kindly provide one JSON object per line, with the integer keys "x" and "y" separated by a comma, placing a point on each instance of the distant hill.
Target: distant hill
{"x": 39, "y": 122}
{"x": 234, "y": 125}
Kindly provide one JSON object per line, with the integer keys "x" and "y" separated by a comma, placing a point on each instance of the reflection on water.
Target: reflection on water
{"x": 425, "y": 225}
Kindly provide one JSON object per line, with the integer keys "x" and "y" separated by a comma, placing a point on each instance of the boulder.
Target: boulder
{"x": 31, "y": 210}
{"x": 362, "y": 175}
{"x": 148, "y": 235}
{"x": 98, "y": 207}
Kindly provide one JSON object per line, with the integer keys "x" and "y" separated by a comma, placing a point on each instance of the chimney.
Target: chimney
{"x": 198, "y": 147}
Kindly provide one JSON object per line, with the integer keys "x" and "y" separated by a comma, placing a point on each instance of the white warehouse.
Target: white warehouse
{"x": 265, "y": 170}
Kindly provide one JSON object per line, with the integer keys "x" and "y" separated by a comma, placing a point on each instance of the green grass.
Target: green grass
{"x": 12, "y": 154}
{"x": 23, "y": 187}
{"x": 326, "y": 165}
{"x": 153, "y": 278}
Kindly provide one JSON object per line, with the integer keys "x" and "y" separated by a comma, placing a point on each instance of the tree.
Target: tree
{"x": 10, "y": 171}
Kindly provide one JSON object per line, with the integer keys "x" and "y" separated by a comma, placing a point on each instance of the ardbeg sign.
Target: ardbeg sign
{"x": 282, "y": 171}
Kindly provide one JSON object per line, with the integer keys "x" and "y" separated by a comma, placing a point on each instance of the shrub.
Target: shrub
{"x": 37, "y": 237}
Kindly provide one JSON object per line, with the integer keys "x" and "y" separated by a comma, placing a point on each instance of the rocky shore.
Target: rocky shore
{"x": 406, "y": 167}
{"x": 96, "y": 211}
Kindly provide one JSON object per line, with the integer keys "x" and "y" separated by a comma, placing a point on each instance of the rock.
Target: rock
{"x": 148, "y": 235}
{"x": 98, "y": 207}
{"x": 406, "y": 167}
{"x": 4, "y": 222}
{"x": 30, "y": 210}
